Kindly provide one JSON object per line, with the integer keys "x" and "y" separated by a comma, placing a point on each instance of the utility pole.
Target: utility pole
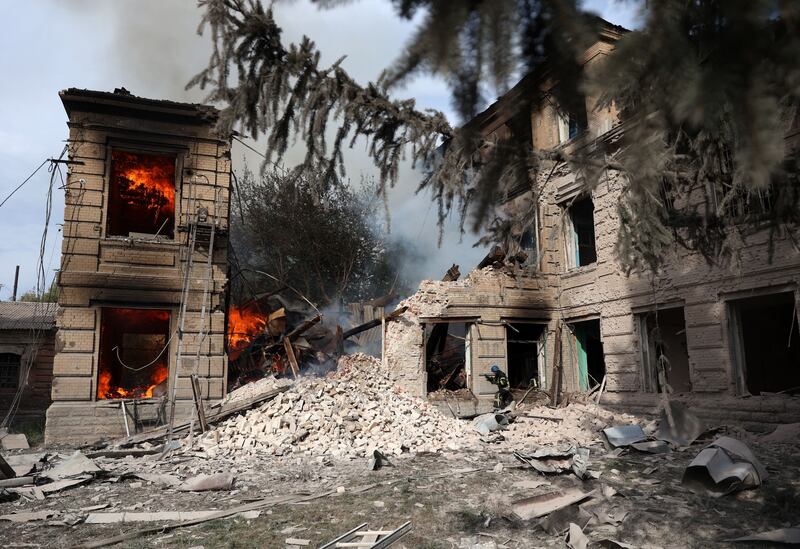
{"x": 16, "y": 281}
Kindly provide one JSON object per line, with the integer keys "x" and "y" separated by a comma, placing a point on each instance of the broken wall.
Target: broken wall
{"x": 483, "y": 300}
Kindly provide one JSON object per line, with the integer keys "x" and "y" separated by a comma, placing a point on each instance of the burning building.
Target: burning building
{"x": 143, "y": 264}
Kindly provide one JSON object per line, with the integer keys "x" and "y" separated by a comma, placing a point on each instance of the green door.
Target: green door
{"x": 583, "y": 360}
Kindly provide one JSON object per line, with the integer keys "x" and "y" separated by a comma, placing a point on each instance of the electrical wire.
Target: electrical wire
{"x": 18, "y": 187}
{"x": 140, "y": 368}
{"x": 40, "y": 309}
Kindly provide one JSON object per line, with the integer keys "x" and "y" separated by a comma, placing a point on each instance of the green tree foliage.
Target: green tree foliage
{"x": 704, "y": 88}
{"x": 50, "y": 296}
{"x": 328, "y": 243}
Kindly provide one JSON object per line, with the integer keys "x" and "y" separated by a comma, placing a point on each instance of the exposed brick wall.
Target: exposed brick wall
{"x": 100, "y": 271}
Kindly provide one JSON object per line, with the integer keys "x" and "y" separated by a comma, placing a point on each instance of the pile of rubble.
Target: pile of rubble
{"x": 579, "y": 424}
{"x": 347, "y": 414}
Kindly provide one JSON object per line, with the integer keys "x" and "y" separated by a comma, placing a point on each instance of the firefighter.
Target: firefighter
{"x": 499, "y": 378}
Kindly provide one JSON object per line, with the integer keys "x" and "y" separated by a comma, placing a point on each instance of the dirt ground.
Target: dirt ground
{"x": 454, "y": 500}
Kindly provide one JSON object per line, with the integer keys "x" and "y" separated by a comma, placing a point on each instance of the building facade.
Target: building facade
{"x": 27, "y": 341}
{"x": 143, "y": 265}
{"x": 724, "y": 337}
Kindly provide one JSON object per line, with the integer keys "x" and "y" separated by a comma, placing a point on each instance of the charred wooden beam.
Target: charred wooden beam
{"x": 373, "y": 323}
{"x": 452, "y": 274}
{"x": 294, "y": 334}
{"x": 496, "y": 254}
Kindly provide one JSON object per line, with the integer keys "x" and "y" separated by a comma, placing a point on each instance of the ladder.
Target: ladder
{"x": 361, "y": 538}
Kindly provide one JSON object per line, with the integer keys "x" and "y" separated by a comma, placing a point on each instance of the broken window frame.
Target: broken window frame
{"x": 531, "y": 249}
{"x": 145, "y": 147}
{"x": 541, "y": 347}
{"x": 575, "y": 351}
{"x": 570, "y": 124}
{"x": 470, "y": 327}
{"x": 735, "y": 333}
{"x": 571, "y": 236}
{"x": 7, "y": 360}
{"x": 648, "y": 370}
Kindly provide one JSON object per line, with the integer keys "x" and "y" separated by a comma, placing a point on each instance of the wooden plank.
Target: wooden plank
{"x": 554, "y": 385}
{"x": 287, "y": 345}
{"x": 331, "y": 544}
{"x": 161, "y": 432}
{"x": 198, "y": 403}
{"x": 373, "y": 323}
{"x": 261, "y": 504}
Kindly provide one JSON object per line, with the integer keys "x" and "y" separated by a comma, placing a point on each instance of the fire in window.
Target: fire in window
{"x": 134, "y": 354}
{"x": 9, "y": 370}
{"x": 141, "y": 197}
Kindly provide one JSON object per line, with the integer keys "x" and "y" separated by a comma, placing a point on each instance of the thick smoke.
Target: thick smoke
{"x": 151, "y": 47}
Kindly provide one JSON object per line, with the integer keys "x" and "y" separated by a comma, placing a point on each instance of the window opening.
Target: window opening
{"x": 134, "y": 358}
{"x": 525, "y": 354}
{"x": 10, "y": 365}
{"x": 665, "y": 335}
{"x": 589, "y": 349}
{"x": 766, "y": 342}
{"x": 141, "y": 197}
{"x": 582, "y": 250}
{"x": 446, "y": 355}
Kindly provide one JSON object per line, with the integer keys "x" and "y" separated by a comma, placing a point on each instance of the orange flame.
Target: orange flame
{"x": 106, "y": 391}
{"x": 146, "y": 180}
{"x": 116, "y": 324}
{"x": 244, "y": 325}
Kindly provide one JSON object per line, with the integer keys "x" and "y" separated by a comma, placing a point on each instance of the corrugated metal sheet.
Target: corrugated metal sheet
{"x": 20, "y": 315}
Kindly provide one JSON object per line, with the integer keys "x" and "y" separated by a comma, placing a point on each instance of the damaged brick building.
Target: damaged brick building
{"x": 729, "y": 333}
{"x": 143, "y": 266}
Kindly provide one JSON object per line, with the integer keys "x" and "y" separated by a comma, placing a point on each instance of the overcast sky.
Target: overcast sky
{"x": 151, "y": 48}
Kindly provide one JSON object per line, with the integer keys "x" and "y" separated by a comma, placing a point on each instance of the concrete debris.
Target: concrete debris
{"x": 576, "y": 539}
{"x": 557, "y": 459}
{"x": 557, "y": 523}
{"x": 74, "y": 465}
{"x": 63, "y": 484}
{"x": 204, "y": 483}
{"x": 25, "y": 464}
{"x": 488, "y": 423}
{"x": 604, "y": 515}
{"x": 724, "y": 466}
{"x": 28, "y": 517}
{"x": 297, "y": 542}
{"x": 544, "y": 504}
{"x": 347, "y": 414}
{"x": 251, "y": 390}
{"x": 581, "y": 425}
{"x": 94, "y": 507}
{"x": 17, "y": 441}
